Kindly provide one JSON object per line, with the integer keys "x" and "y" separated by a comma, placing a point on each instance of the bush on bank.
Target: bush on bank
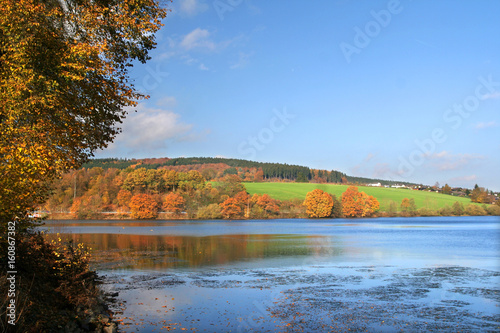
{"x": 55, "y": 289}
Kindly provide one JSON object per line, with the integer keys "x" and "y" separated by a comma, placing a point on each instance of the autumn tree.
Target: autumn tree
{"x": 64, "y": 89}
{"x": 210, "y": 212}
{"x": 413, "y": 207}
{"x": 405, "y": 205}
{"x": 457, "y": 208}
{"x": 337, "y": 211}
{"x": 123, "y": 198}
{"x": 230, "y": 185}
{"x": 358, "y": 204}
{"x": 230, "y": 209}
{"x": 352, "y": 202}
{"x": 191, "y": 180}
{"x": 318, "y": 204}
{"x": 259, "y": 176}
{"x": 408, "y": 207}
{"x": 87, "y": 207}
{"x": 393, "y": 208}
{"x": 446, "y": 189}
{"x": 474, "y": 210}
{"x": 174, "y": 203}
{"x": 263, "y": 206}
{"x": 268, "y": 204}
{"x": 143, "y": 206}
{"x": 64, "y": 86}
{"x": 480, "y": 195}
{"x": 209, "y": 174}
{"x": 371, "y": 205}
{"x": 171, "y": 179}
{"x": 242, "y": 198}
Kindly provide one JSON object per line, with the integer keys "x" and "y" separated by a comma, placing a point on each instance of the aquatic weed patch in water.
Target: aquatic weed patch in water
{"x": 405, "y": 303}
{"x": 320, "y": 298}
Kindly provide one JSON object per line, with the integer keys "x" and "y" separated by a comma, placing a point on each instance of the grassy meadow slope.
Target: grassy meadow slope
{"x": 286, "y": 191}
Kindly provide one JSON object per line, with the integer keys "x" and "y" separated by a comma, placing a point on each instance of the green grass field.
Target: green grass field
{"x": 286, "y": 191}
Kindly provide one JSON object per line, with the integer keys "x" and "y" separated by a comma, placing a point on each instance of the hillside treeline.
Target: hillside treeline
{"x": 143, "y": 193}
{"x": 217, "y": 192}
{"x": 270, "y": 171}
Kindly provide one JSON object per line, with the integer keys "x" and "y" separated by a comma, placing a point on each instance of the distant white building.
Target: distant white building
{"x": 398, "y": 186}
{"x": 376, "y": 184}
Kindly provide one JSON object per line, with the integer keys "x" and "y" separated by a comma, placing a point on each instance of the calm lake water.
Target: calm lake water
{"x": 383, "y": 275}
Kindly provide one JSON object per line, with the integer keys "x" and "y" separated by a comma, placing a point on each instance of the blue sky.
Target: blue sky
{"x": 401, "y": 90}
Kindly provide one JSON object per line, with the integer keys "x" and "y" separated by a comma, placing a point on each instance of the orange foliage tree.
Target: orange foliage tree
{"x": 64, "y": 87}
{"x": 230, "y": 208}
{"x": 87, "y": 207}
{"x": 358, "y": 204}
{"x": 371, "y": 204}
{"x": 243, "y": 200}
{"x": 123, "y": 198}
{"x": 174, "y": 203}
{"x": 265, "y": 205}
{"x": 405, "y": 204}
{"x": 268, "y": 204}
{"x": 259, "y": 176}
{"x": 143, "y": 206}
{"x": 318, "y": 204}
{"x": 408, "y": 206}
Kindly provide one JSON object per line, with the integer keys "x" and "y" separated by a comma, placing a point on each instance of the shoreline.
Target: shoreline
{"x": 122, "y": 217}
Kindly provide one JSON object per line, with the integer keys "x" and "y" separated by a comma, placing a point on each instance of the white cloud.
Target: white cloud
{"x": 195, "y": 48}
{"x": 485, "y": 125}
{"x": 151, "y": 129}
{"x": 192, "y": 7}
{"x": 199, "y": 39}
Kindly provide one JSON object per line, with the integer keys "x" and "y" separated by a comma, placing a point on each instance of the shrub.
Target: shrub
{"x": 393, "y": 208}
{"x": 210, "y": 212}
{"x": 493, "y": 210}
{"x": 474, "y": 210}
{"x": 56, "y": 291}
{"x": 458, "y": 208}
{"x": 445, "y": 211}
{"x": 427, "y": 212}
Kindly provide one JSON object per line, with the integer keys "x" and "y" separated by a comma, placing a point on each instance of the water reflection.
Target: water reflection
{"x": 158, "y": 252}
{"x": 404, "y": 242}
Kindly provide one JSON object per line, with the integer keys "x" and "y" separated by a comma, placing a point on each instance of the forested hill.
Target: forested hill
{"x": 270, "y": 171}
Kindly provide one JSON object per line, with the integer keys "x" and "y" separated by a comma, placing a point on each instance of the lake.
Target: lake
{"x": 382, "y": 275}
